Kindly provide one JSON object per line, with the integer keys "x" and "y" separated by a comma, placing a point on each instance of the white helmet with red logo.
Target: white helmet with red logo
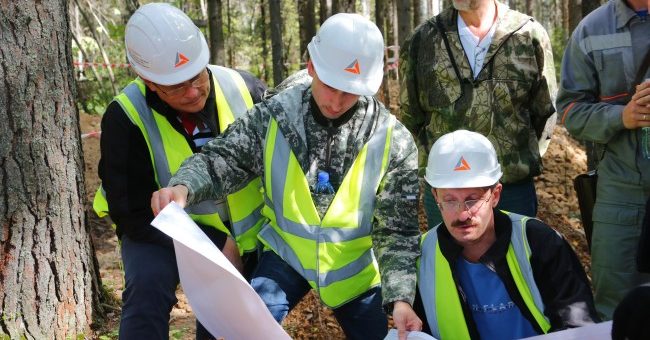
{"x": 462, "y": 159}
{"x": 348, "y": 54}
{"x": 163, "y": 45}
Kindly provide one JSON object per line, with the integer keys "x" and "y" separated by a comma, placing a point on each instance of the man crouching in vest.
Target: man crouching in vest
{"x": 340, "y": 185}
{"x": 177, "y": 103}
{"x": 486, "y": 273}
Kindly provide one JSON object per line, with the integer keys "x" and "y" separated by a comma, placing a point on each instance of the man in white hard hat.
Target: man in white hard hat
{"x": 486, "y": 273}
{"x": 169, "y": 112}
{"x": 356, "y": 239}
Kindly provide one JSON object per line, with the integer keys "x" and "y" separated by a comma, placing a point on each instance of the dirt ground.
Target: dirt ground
{"x": 310, "y": 320}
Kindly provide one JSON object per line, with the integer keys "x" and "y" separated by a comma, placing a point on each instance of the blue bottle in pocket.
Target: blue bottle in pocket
{"x": 323, "y": 186}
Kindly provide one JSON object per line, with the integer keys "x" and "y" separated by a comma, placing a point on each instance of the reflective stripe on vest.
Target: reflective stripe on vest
{"x": 333, "y": 254}
{"x": 438, "y": 288}
{"x": 169, "y": 149}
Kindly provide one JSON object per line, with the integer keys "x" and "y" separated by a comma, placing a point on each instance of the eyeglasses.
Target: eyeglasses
{"x": 471, "y": 206}
{"x": 177, "y": 90}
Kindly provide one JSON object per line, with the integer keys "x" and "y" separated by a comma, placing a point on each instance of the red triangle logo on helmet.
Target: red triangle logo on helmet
{"x": 462, "y": 165}
{"x": 181, "y": 59}
{"x": 353, "y": 67}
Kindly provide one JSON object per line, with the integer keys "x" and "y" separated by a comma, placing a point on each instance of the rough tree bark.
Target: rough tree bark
{"x": 420, "y": 11}
{"x": 380, "y": 18}
{"x": 404, "y": 15}
{"x": 264, "y": 41}
{"x": 590, "y": 5}
{"x": 215, "y": 23}
{"x": 325, "y": 10}
{"x": 345, "y": 6}
{"x": 307, "y": 22}
{"x": 530, "y": 7}
{"x": 276, "y": 41}
{"x": 49, "y": 281}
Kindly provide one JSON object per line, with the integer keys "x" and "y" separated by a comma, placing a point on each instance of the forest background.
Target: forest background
{"x": 61, "y": 63}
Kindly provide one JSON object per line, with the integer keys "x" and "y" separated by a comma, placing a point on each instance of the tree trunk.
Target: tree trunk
{"x": 391, "y": 19}
{"x": 307, "y": 23}
{"x": 365, "y": 8}
{"x": 575, "y": 14}
{"x": 589, "y": 5}
{"x": 380, "y": 11}
{"x": 215, "y": 22}
{"x": 403, "y": 20}
{"x": 380, "y": 17}
{"x": 436, "y": 7}
{"x": 325, "y": 10}
{"x": 276, "y": 41}
{"x": 264, "y": 42}
{"x": 346, "y": 6}
{"x": 231, "y": 48}
{"x": 529, "y": 7}
{"x": 420, "y": 11}
{"x": 48, "y": 273}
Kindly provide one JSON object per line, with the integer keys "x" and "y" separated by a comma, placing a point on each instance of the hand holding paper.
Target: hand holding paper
{"x": 221, "y": 298}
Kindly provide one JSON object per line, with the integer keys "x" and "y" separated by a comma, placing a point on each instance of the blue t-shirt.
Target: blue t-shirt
{"x": 495, "y": 314}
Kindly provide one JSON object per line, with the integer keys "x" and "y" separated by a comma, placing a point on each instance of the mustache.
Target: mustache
{"x": 459, "y": 223}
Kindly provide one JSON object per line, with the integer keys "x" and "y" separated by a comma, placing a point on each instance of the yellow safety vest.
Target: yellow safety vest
{"x": 334, "y": 254}
{"x": 168, "y": 149}
{"x": 439, "y": 293}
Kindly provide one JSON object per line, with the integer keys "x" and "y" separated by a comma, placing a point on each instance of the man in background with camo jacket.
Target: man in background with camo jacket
{"x": 483, "y": 67}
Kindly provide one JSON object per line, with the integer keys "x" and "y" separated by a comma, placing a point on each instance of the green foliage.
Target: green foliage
{"x": 113, "y": 334}
{"x": 94, "y": 89}
{"x": 558, "y": 42}
{"x": 94, "y": 96}
{"x": 178, "y": 333}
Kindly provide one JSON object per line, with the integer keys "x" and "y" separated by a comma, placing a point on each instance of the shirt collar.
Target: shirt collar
{"x": 623, "y": 14}
{"x": 463, "y": 30}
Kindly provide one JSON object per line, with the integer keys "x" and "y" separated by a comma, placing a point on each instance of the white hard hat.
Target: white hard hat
{"x": 163, "y": 45}
{"x": 348, "y": 54}
{"x": 462, "y": 159}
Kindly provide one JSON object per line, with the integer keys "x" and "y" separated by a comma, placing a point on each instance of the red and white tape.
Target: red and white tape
{"x": 88, "y": 64}
{"x": 93, "y": 134}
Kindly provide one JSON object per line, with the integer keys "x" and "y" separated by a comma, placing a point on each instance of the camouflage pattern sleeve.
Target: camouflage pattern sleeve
{"x": 228, "y": 162}
{"x": 411, "y": 114}
{"x": 395, "y": 231}
{"x": 543, "y": 113}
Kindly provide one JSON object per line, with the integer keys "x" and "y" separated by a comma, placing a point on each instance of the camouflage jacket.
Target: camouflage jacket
{"x": 236, "y": 156}
{"x": 510, "y": 102}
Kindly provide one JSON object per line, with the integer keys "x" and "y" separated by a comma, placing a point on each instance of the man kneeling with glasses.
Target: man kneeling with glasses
{"x": 486, "y": 273}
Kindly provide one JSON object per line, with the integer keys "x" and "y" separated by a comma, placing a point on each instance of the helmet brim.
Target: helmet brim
{"x": 461, "y": 180}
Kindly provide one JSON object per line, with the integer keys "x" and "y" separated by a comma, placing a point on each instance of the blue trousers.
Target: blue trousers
{"x": 281, "y": 288}
{"x": 151, "y": 278}
{"x": 519, "y": 198}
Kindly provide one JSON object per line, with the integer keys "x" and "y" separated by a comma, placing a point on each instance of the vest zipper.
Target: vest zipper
{"x": 328, "y": 149}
